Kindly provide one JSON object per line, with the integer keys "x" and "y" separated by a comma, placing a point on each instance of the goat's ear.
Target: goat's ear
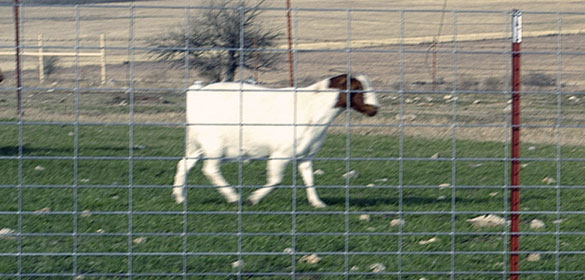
{"x": 341, "y": 100}
{"x": 338, "y": 82}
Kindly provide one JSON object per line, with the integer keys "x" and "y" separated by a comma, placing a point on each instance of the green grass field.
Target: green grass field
{"x": 104, "y": 214}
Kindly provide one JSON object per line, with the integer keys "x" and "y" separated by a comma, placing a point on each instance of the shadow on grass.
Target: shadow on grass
{"x": 376, "y": 201}
{"x": 13, "y": 150}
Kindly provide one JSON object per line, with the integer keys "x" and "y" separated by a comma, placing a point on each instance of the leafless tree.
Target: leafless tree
{"x": 215, "y": 43}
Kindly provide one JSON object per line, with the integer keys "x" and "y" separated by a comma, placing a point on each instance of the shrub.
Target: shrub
{"x": 492, "y": 83}
{"x": 50, "y": 64}
{"x": 539, "y": 80}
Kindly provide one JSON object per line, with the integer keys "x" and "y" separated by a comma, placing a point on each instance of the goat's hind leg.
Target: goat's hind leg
{"x": 211, "y": 169}
{"x": 183, "y": 167}
{"x": 275, "y": 170}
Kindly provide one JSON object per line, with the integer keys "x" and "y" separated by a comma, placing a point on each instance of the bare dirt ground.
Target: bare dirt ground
{"x": 469, "y": 100}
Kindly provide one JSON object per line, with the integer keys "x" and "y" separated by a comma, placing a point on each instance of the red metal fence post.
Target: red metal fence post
{"x": 515, "y": 180}
{"x": 290, "y": 52}
{"x": 17, "y": 51}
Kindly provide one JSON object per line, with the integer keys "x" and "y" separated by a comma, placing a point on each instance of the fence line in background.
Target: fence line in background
{"x": 41, "y": 54}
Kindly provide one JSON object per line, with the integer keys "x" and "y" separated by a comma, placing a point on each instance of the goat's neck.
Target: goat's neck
{"x": 318, "y": 109}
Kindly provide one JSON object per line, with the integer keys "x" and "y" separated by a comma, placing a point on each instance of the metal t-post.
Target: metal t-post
{"x": 516, "y": 167}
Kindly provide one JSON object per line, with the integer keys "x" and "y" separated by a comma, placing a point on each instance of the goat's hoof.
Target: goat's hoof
{"x": 233, "y": 200}
{"x": 251, "y": 202}
{"x": 318, "y": 204}
{"x": 178, "y": 198}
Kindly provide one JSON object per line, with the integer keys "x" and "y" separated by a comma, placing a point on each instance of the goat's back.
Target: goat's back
{"x": 235, "y": 103}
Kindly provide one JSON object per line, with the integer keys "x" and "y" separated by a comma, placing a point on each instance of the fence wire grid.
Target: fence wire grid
{"x": 419, "y": 191}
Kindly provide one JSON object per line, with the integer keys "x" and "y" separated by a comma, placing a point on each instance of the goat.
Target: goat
{"x": 237, "y": 120}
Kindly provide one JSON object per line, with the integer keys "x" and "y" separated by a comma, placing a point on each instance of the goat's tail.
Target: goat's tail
{"x": 196, "y": 85}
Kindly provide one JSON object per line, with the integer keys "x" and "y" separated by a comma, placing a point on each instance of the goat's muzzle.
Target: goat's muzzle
{"x": 370, "y": 110}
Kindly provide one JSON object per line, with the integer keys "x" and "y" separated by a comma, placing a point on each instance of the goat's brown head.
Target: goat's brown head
{"x": 357, "y": 91}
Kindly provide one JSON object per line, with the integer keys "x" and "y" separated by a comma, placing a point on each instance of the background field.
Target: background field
{"x": 86, "y": 173}
{"x": 476, "y": 65}
{"x": 88, "y": 228}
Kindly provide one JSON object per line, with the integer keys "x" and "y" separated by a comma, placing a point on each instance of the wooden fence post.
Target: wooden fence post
{"x": 103, "y": 57}
{"x": 41, "y": 59}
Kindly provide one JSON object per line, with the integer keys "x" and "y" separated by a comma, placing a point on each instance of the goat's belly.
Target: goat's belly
{"x": 247, "y": 152}
{"x": 259, "y": 142}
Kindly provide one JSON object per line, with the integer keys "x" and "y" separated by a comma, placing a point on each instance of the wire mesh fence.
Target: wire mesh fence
{"x": 419, "y": 191}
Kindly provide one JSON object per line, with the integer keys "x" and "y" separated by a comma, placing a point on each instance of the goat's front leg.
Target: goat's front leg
{"x": 306, "y": 170}
{"x": 275, "y": 170}
{"x": 211, "y": 169}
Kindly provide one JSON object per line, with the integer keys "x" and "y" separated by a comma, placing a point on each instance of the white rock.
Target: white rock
{"x": 139, "y": 240}
{"x": 536, "y": 224}
{"x": 84, "y": 180}
{"x": 377, "y": 267}
{"x": 428, "y": 98}
{"x": 532, "y": 148}
{"x": 435, "y": 156}
{"x": 488, "y": 221}
{"x": 288, "y": 250}
{"x": 310, "y": 259}
{"x": 237, "y": 264}
{"x": 492, "y": 194}
{"x": 6, "y": 232}
{"x": 408, "y": 100}
{"x": 382, "y": 180}
{"x": 100, "y": 230}
{"x": 39, "y": 168}
{"x": 407, "y": 117}
{"x": 354, "y": 268}
{"x": 534, "y": 257}
{"x": 70, "y": 134}
{"x": 370, "y": 185}
{"x": 443, "y": 186}
{"x": 43, "y": 210}
{"x": 139, "y": 147}
{"x": 425, "y": 242}
{"x": 351, "y": 174}
{"x": 549, "y": 180}
{"x": 447, "y": 97}
{"x": 508, "y": 108}
{"x": 364, "y": 217}
{"x": 442, "y": 197}
{"x": 396, "y": 222}
{"x": 319, "y": 172}
{"x": 475, "y": 102}
{"x": 86, "y": 213}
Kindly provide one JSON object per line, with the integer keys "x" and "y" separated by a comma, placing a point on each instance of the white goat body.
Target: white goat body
{"x": 238, "y": 120}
